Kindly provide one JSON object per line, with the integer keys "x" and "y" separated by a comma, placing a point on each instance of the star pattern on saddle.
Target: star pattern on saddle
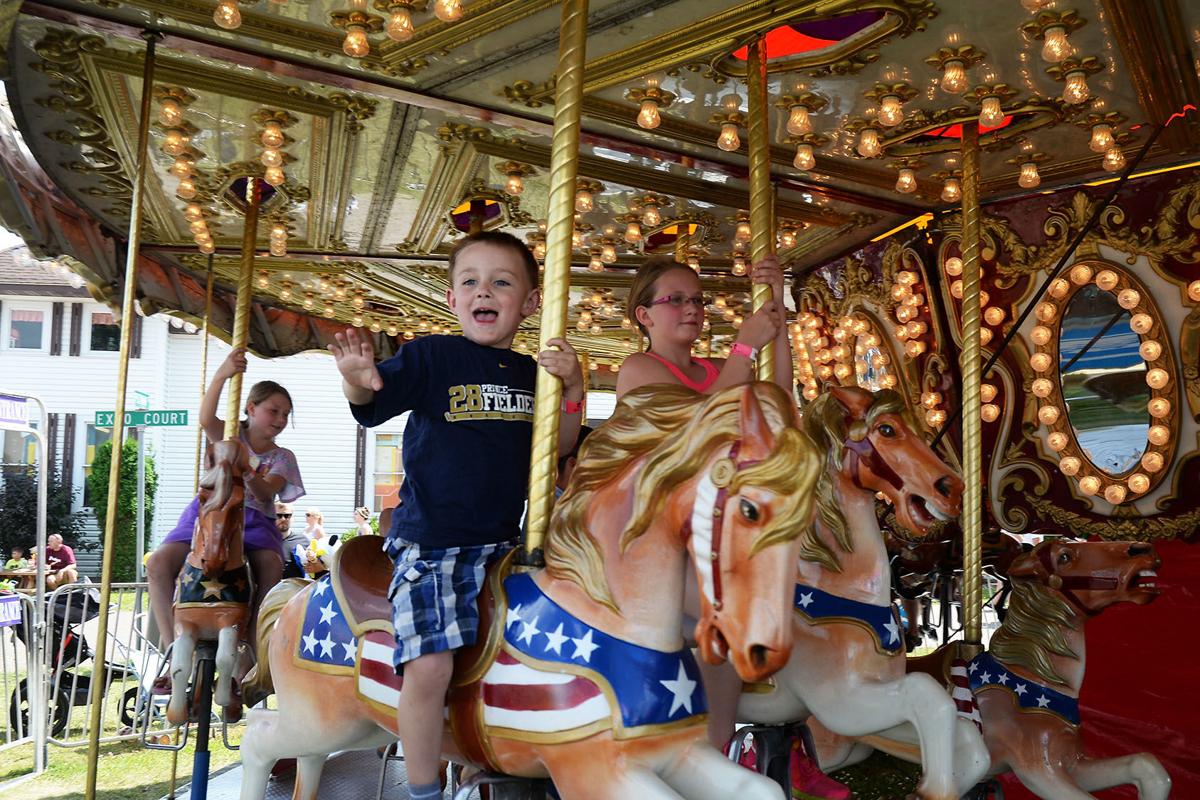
{"x": 651, "y": 686}
{"x": 229, "y": 587}
{"x": 325, "y": 635}
{"x": 985, "y": 672}
{"x": 818, "y": 606}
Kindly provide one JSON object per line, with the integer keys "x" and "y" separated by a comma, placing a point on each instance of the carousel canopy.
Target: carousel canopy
{"x": 386, "y": 130}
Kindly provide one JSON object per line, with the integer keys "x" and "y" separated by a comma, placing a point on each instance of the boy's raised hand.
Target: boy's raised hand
{"x": 355, "y": 359}
{"x": 564, "y": 364}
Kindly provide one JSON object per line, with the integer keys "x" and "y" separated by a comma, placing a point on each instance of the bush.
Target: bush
{"x": 350, "y": 534}
{"x": 18, "y": 509}
{"x": 125, "y": 556}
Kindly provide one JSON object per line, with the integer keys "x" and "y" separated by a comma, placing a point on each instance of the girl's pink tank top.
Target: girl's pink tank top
{"x": 710, "y": 373}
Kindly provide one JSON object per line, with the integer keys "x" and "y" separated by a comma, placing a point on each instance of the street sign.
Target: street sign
{"x": 14, "y": 411}
{"x": 104, "y": 419}
{"x": 140, "y": 401}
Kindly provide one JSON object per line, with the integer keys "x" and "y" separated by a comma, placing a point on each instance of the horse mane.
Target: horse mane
{"x": 825, "y": 423}
{"x": 1033, "y": 630}
{"x": 672, "y": 431}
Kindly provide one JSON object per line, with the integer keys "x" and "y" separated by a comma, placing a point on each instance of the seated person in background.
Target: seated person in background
{"x": 294, "y": 542}
{"x": 18, "y": 560}
{"x": 60, "y": 563}
{"x": 566, "y": 464}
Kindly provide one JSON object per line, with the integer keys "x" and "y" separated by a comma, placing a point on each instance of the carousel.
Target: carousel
{"x": 987, "y": 215}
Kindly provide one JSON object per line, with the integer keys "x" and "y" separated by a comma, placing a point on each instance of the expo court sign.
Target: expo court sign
{"x": 104, "y": 419}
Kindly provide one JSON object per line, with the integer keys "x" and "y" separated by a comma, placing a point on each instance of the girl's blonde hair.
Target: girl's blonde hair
{"x": 315, "y": 512}
{"x": 641, "y": 291}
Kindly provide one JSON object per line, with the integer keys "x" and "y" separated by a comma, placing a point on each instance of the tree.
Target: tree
{"x": 18, "y": 509}
{"x": 124, "y": 558}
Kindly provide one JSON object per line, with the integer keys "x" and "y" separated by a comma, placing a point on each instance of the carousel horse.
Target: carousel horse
{"x": 847, "y": 665}
{"x": 579, "y": 673}
{"x": 214, "y": 587}
{"x": 1027, "y": 684}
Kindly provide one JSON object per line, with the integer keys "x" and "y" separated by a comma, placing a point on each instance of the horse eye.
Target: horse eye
{"x": 1064, "y": 557}
{"x": 886, "y": 430}
{"x": 749, "y": 510}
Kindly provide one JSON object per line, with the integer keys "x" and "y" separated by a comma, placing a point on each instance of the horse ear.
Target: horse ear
{"x": 757, "y": 439}
{"x": 851, "y": 403}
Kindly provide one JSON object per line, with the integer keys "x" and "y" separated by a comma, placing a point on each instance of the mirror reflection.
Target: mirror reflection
{"x": 1104, "y": 380}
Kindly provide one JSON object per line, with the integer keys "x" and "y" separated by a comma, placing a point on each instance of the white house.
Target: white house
{"x": 60, "y": 345}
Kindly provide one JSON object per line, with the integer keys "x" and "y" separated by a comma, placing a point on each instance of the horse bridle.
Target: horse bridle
{"x": 864, "y": 453}
{"x": 1067, "y": 586}
{"x": 706, "y": 525}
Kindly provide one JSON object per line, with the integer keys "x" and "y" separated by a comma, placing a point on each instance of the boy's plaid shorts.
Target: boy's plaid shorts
{"x": 433, "y": 594}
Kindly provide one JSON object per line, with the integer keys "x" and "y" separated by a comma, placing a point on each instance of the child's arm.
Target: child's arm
{"x": 564, "y": 364}
{"x": 214, "y": 426}
{"x": 355, "y": 358}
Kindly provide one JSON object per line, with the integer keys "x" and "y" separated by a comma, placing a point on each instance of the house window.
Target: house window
{"x": 18, "y": 451}
{"x": 95, "y": 438}
{"x": 388, "y": 473}
{"x": 27, "y": 328}
{"x": 106, "y": 333}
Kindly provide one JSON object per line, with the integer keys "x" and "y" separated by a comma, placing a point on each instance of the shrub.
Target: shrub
{"x": 18, "y": 509}
{"x": 125, "y": 556}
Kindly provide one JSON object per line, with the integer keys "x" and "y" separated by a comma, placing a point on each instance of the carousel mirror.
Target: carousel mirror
{"x": 1104, "y": 380}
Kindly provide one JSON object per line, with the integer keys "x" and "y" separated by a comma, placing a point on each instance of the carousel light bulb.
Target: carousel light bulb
{"x": 990, "y": 412}
{"x": 900, "y": 292}
{"x": 1138, "y": 483}
{"x": 226, "y": 15}
{"x": 356, "y": 43}
{"x": 595, "y": 264}
{"x": 811, "y": 393}
{"x": 272, "y": 157}
{"x": 308, "y": 301}
{"x": 956, "y": 290}
{"x": 1059, "y": 287}
{"x": 1040, "y": 362}
{"x": 804, "y": 157}
{"x": 931, "y": 399}
{"x": 987, "y": 392}
{"x": 891, "y": 111}
{"x": 1048, "y": 415}
{"x": 951, "y": 190}
{"x": 1058, "y": 441}
{"x": 1041, "y": 388}
{"x": 278, "y": 249}
{"x": 1159, "y": 435}
{"x": 182, "y": 167}
{"x": 1128, "y": 299}
{"x": 728, "y": 140}
{"x": 650, "y": 215}
{"x": 1056, "y": 46}
{"x": 900, "y": 332}
{"x": 915, "y": 328}
{"x": 842, "y": 371}
{"x": 787, "y": 238}
{"x": 539, "y": 251}
{"x": 1106, "y": 279}
{"x": 648, "y": 116}
{"x": 207, "y": 247}
{"x": 935, "y": 418}
{"x": 914, "y": 348}
{"x": 170, "y": 114}
{"x": 1076, "y": 91}
{"x": 1150, "y": 350}
{"x": 448, "y": 10}
{"x": 985, "y": 336}
{"x": 1159, "y": 407}
{"x": 193, "y": 212}
{"x": 186, "y": 189}
{"x": 608, "y": 254}
{"x": 1114, "y": 160}
{"x": 1029, "y": 177}
{"x": 1141, "y": 323}
{"x": 954, "y": 266}
{"x": 1070, "y": 465}
{"x": 272, "y": 134}
{"x": 174, "y": 142}
{"x": 392, "y": 329}
{"x": 633, "y": 232}
{"x": 279, "y": 231}
{"x": 1157, "y": 378}
{"x": 954, "y": 77}
{"x": 993, "y": 315}
{"x": 584, "y": 202}
{"x": 1081, "y": 274}
{"x": 375, "y": 326}
{"x": 274, "y": 176}
{"x": 1115, "y": 494}
{"x": 264, "y": 280}
{"x": 906, "y": 181}
{"x": 1046, "y": 312}
{"x": 798, "y": 122}
{"x": 400, "y": 26}
{"x": 1102, "y": 138}
{"x": 1152, "y": 462}
{"x": 868, "y": 143}
{"x": 905, "y": 313}
{"x": 1193, "y": 291}
{"x": 515, "y": 184}
{"x": 991, "y": 115}
{"x": 739, "y": 266}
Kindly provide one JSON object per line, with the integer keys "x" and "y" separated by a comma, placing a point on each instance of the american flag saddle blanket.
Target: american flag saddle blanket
{"x": 818, "y": 607}
{"x": 985, "y": 673}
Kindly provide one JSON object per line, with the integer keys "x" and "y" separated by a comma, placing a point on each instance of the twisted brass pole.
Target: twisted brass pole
{"x": 762, "y": 222}
{"x": 564, "y": 155}
{"x": 970, "y": 367}
{"x": 208, "y": 293}
{"x": 129, "y": 295}
{"x": 682, "y": 231}
{"x": 241, "y": 314}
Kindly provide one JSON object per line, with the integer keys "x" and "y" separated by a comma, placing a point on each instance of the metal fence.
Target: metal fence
{"x": 17, "y": 661}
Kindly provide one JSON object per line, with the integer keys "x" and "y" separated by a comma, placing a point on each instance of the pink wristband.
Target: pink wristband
{"x": 572, "y": 406}
{"x": 742, "y": 349}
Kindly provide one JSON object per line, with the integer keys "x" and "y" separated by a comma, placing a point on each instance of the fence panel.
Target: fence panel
{"x": 16, "y": 660}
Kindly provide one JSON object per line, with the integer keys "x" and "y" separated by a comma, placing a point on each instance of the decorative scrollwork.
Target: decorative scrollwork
{"x": 1134, "y": 528}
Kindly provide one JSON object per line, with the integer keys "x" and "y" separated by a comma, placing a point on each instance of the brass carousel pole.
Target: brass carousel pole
{"x": 208, "y": 294}
{"x": 970, "y": 367}
{"x": 568, "y": 100}
{"x": 118, "y": 431}
{"x": 762, "y": 218}
{"x": 683, "y": 230}
{"x": 241, "y": 314}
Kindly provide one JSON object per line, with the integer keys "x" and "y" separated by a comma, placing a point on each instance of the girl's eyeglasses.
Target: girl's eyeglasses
{"x": 679, "y": 300}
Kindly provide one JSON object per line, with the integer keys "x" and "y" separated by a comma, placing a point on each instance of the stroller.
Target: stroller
{"x": 70, "y": 650}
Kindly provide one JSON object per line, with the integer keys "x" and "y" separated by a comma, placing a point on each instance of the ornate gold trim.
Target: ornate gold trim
{"x": 1137, "y": 529}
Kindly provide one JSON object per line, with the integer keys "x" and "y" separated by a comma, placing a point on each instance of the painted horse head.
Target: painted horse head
{"x": 872, "y": 442}
{"x": 727, "y": 478}
{"x": 1091, "y": 575}
{"x": 222, "y": 493}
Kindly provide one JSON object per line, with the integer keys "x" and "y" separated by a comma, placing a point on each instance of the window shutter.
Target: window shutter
{"x": 52, "y": 441}
{"x": 360, "y": 465}
{"x": 135, "y": 345}
{"x": 56, "y": 320}
{"x": 76, "y": 327}
{"x": 69, "y": 452}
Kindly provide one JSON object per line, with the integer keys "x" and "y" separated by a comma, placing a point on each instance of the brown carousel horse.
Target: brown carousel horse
{"x": 847, "y": 665}
{"x": 214, "y": 588}
{"x": 1027, "y": 683}
{"x": 580, "y": 672}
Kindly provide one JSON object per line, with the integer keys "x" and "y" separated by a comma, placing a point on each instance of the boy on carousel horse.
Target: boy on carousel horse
{"x": 466, "y": 461}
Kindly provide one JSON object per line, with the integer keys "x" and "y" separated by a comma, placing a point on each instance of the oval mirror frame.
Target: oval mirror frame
{"x": 1052, "y": 412}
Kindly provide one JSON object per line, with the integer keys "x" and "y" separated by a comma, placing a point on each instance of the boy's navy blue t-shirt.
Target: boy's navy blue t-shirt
{"x": 467, "y": 442}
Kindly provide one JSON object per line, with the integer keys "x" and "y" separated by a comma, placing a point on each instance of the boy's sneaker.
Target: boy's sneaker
{"x": 809, "y": 781}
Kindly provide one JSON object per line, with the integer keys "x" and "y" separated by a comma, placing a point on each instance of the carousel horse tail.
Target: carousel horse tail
{"x": 257, "y": 682}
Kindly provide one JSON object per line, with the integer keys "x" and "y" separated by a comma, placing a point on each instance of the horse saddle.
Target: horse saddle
{"x": 361, "y": 574}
